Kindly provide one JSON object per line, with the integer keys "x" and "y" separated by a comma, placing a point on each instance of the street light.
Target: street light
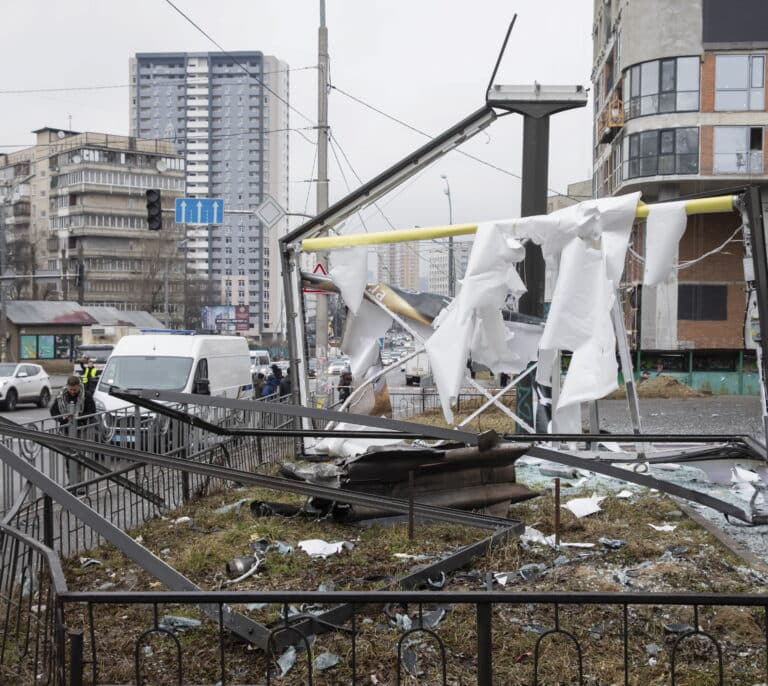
{"x": 451, "y": 265}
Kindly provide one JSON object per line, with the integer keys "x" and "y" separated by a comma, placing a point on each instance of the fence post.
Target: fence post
{"x": 48, "y": 521}
{"x": 76, "y": 658}
{"x": 484, "y": 664}
{"x": 423, "y": 400}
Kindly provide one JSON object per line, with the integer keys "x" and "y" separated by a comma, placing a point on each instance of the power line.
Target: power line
{"x": 155, "y": 82}
{"x": 430, "y": 136}
{"x": 238, "y": 63}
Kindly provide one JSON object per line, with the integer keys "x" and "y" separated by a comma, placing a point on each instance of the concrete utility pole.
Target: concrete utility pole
{"x": 321, "y": 313}
{"x": 451, "y": 261}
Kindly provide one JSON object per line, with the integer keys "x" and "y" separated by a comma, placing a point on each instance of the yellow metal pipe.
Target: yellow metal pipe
{"x": 721, "y": 203}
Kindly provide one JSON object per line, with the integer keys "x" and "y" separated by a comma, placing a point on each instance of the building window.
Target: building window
{"x": 738, "y": 150}
{"x": 668, "y": 85}
{"x": 661, "y": 152}
{"x": 698, "y": 302}
{"x": 739, "y": 82}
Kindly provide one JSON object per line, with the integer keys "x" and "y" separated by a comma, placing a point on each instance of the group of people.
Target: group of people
{"x": 276, "y": 382}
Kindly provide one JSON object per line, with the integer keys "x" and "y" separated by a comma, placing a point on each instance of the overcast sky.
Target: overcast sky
{"x": 426, "y": 62}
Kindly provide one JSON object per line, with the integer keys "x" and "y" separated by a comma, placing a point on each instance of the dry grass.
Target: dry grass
{"x": 201, "y": 552}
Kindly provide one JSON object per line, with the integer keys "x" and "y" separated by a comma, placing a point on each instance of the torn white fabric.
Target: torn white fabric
{"x": 352, "y": 447}
{"x": 361, "y": 337}
{"x": 665, "y": 227}
{"x": 473, "y": 321}
{"x": 625, "y": 494}
{"x": 663, "y": 527}
{"x": 349, "y": 271}
{"x": 583, "y": 507}
{"x": 588, "y": 243}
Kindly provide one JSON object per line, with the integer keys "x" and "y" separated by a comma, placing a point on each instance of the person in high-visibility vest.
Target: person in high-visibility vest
{"x": 90, "y": 376}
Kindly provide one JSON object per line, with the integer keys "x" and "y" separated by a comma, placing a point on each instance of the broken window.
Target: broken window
{"x": 700, "y": 302}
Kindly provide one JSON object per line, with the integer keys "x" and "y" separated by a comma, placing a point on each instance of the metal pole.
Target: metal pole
{"x": 321, "y": 312}
{"x": 534, "y": 202}
{"x": 484, "y": 645}
{"x": 76, "y": 657}
{"x": 451, "y": 262}
{"x": 3, "y": 269}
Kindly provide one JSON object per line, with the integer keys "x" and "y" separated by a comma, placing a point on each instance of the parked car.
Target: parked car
{"x": 23, "y": 383}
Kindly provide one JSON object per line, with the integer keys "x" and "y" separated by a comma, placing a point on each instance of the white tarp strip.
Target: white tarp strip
{"x": 349, "y": 271}
{"x": 361, "y": 338}
{"x": 664, "y": 229}
{"x": 588, "y": 243}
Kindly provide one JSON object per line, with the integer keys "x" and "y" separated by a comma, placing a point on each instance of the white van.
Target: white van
{"x": 260, "y": 363}
{"x": 205, "y": 365}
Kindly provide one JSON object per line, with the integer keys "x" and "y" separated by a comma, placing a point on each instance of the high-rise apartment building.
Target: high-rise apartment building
{"x": 437, "y": 279}
{"x": 680, "y": 109}
{"x": 74, "y": 222}
{"x": 227, "y": 114}
{"x": 398, "y": 265}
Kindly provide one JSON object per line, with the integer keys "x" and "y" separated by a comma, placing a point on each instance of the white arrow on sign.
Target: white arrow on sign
{"x": 183, "y": 211}
{"x": 215, "y": 213}
{"x": 199, "y": 211}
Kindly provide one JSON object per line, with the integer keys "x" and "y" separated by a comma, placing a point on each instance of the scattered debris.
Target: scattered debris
{"x": 176, "y": 623}
{"x": 106, "y": 586}
{"x": 86, "y": 562}
{"x": 652, "y": 649}
{"x": 663, "y": 527}
{"x": 501, "y": 578}
{"x": 326, "y": 661}
{"x": 532, "y": 571}
{"x": 287, "y": 660}
{"x": 613, "y": 543}
{"x": 183, "y": 520}
{"x": 556, "y": 470}
{"x": 437, "y": 583}
{"x": 625, "y": 494}
{"x": 315, "y": 547}
{"x": 675, "y": 628}
{"x": 583, "y": 507}
{"x": 252, "y": 607}
{"x": 224, "y": 509}
{"x": 430, "y": 620}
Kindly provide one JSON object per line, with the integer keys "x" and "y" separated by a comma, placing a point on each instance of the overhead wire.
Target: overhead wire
{"x": 155, "y": 82}
{"x": 421, "y": 132}
{"x": 690, "y": 263}
{"x": 238, "y": 63}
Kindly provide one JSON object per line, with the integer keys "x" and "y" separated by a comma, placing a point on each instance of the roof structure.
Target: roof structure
{"x": 69, "y": 312}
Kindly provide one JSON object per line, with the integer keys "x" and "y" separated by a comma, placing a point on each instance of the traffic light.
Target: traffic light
{"x": 154, "y": 210}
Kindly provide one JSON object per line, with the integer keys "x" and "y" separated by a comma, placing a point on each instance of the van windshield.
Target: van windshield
{"x": 146, "y": 371}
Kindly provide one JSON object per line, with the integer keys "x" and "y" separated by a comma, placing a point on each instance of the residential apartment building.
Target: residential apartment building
{"x": 398, "y": 265}
{"x": 75, "y": 222}
{"x": 437, "y": 278}
{"x": 227, "y": 114}
{"x": 680, "y": 109}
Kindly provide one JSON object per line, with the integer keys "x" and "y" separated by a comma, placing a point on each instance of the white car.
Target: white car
{"x": 23, "y": 383}
{"x": 338, "y": 366}
{"x": 260, "y": 363}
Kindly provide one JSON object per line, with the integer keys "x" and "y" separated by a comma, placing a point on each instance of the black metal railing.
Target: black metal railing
{"x": 428, "y": 637}
{"x": 31, "y": 623}
{"x": 422, "y": 400}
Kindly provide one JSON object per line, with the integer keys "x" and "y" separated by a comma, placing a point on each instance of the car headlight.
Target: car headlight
{"x": 100, "y": 406}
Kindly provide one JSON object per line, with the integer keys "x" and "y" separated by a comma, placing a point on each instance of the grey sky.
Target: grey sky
{"x": 424, "y": 61}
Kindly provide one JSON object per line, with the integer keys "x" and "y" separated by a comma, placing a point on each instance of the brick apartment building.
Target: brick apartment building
{"x": 681, "y": 111}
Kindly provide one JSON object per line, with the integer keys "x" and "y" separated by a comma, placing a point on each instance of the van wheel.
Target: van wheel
{"x": 44, "y": 399}
{"x": 9, "y": 404}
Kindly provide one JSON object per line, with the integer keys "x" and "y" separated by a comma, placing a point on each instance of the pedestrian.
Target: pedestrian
{"x": 74, "y": 403}
{"x": 258, "y": 384}
{"x": 285, "y": 383}
{"x": 272, "y": 384}
{"x": 90, "y": 376}
{"x": 345, "y": 384}
{"x": 504, "y": 380}
{"x": 471, "y": 369}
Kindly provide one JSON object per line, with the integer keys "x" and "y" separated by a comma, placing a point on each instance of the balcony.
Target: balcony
{"x": 611, "y": 121}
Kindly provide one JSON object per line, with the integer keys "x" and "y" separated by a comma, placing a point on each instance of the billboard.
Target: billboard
{"x": 225, "y": 318}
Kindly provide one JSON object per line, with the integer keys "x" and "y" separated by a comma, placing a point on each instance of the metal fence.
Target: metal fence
{"x": 418, "y": 637}
{"x": 406, "y": 404}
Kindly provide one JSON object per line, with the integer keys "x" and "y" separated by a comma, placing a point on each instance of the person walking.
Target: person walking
{"x": 285, "y": 384}
{"x": 90, "y": 376}
{"x": 272, "y": 384}
{"x": 73, "y": 404}
{"x": 258, "y": 384}
{"x": 345, "y": 384}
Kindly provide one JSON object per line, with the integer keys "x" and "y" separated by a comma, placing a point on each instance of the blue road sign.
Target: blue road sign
{"x": 199, "y": 210}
